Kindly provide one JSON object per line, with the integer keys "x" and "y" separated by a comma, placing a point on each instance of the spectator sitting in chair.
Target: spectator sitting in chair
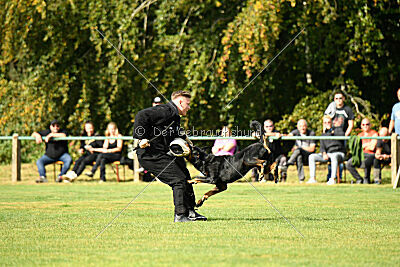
{"x": 302, "y": 148}
{"x": 368, "y": 146}
{"x": 55, "y": 150}
{"x": 111, "y": 151}
{"x": 333, "y": 150}
{"x": 277, "y": 150}
{"x": 382, "y": 155}
{"x": 224, "y": 146}
{"x": 87, "y": 157}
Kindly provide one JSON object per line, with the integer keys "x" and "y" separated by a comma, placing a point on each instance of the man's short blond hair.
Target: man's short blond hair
{"x": 179, "y": 93}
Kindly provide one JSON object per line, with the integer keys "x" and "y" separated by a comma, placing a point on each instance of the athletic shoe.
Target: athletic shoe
{"x": 90, "y": 174}
{"x": 41, "y": 179}
{"x": 331, "y": 181}
{"x": 194, "y": 216}
{"x": 311, "y": 181}
{"x": 70, "y": 176}
{"x": 181, "y": 218}
{"x": 59, "y": 179}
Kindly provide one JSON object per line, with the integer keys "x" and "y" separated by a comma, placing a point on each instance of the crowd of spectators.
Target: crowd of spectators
{"x": 338, "y": 120}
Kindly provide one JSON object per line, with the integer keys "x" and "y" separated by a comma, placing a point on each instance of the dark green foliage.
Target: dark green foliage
{"x": 54, "y": 63}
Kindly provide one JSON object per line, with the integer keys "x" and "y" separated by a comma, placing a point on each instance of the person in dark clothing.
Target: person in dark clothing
{"x": 333, "y": 150}
{"x": 382, "y": 155}
{"x": 87, "y": 157}
{"x": 277, "y": 151}
{"x": 162, "y": 122}
{"x": 110, "y": 152}
{"x": 55, "y": 150}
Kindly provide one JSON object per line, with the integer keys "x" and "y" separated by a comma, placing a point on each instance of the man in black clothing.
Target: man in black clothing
{"x": 55, "y": 150}
{"x": 163, "y": 121}
{"x": 382, "y": 155}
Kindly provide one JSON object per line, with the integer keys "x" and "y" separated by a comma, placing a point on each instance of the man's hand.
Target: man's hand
{"x": 38, "y": 139}
{"x": 48, "y": 137}
{"x": 144, "y": 143}
{"x": 325, "y": 156}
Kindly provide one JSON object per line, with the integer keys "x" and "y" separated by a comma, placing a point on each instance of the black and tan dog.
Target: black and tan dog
{"x": 221, "y": 170}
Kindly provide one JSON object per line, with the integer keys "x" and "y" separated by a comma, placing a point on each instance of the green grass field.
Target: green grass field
{"x": 56, "y": 224}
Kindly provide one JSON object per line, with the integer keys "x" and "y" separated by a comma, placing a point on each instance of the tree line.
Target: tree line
{"x": 55, "y": 63}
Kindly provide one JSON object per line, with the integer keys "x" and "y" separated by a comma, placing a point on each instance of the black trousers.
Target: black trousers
{"x": 366, "y": 164}
{"x": 102, "y": 159}
{"x": 83, "y": 161}
{"x": 173, "y": 172}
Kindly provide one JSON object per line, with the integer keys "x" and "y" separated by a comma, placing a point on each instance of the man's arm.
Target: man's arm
{"x": 38, "y": 137}
{"x": 349, "y": 128}
{"x": 391, "y": 126}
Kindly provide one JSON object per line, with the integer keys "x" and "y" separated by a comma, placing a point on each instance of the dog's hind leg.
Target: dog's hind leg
{"x": 220, "y": 187}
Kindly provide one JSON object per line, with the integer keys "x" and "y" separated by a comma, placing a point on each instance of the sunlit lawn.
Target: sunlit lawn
{"x": 56, "y": 224}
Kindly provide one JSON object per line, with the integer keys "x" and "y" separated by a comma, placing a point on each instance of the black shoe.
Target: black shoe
{"x": 194, "y": 216}
{"x": 181, "y": 218}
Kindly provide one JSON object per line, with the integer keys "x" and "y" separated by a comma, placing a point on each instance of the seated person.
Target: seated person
{"x": 111, "y": 151}
{"x": 277, "y": 150}
{"x": 368, "y": 146}
{"x": 55, "y": 150}
{"x": 382, "y": 155}
{"x": 87, "y": 157}
{"x": 333, "y": 150}
{"x": 302, "y": 148}
{"x": 224, "y": 146}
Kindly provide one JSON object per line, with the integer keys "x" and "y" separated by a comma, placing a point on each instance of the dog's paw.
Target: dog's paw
{"x": 201, "y": 201}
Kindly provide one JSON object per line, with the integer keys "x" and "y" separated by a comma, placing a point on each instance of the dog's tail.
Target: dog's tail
{"x": 256, "y": 126}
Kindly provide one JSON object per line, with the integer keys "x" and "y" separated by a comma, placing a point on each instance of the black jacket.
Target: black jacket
{"x": 330, "y": 146}
{"x": 153, "y": 121}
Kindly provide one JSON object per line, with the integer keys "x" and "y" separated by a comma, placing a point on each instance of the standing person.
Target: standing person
{"x": 276, "y": 148}
{"x": 55, "y": 150}
{"x": 302, "y": 148}
{"x": 395, "y": 117}
{"x": 332, "y": 150}
{"x": 110, "y": 152}
{"x": 342, "y": 116}
{"x": 87, "y": 157}
{"x": 163, "y": 122}
{"x": 224, "y": 146}
{"x": 382, "y": 155}
{"x": 368, "y": 146}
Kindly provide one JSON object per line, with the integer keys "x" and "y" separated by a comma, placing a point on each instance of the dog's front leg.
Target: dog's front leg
{"x": 220, "y": 187}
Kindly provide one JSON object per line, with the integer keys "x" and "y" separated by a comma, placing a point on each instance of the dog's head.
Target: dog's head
{"x": 199, "y": 157}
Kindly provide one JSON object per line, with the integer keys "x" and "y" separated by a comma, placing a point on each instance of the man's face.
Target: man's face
{"x": 302, "y": 127}
{"x": 54, "y": 128}
{"x": 365, "y": 125}
{"x": 339, "y": 100}
{"x": 184, "y": 105}
{"x": 268, "y": 126}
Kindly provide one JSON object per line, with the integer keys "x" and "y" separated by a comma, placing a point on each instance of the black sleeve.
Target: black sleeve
{"x": 44, "y": 132}
{"x": 312, "y": 133}
{"x": 145, "y": 119}
{"x": 379, "y": 143}
{"x": 350, "y": 113}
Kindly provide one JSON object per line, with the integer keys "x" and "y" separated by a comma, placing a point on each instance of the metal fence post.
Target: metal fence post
{"x": 395, "y": 156}
{"x": 16, "y": 159}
